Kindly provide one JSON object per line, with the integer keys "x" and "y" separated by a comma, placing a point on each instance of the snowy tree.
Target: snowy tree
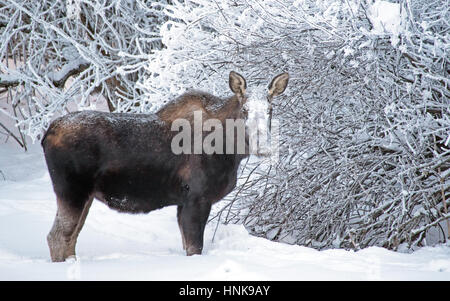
{"x": 54, "y": 53}
{"x": 365, "y": 125}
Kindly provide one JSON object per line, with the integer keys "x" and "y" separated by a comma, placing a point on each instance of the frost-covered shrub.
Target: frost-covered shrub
{"x": 364, "y": 126}
{"x": 55, "y": 52}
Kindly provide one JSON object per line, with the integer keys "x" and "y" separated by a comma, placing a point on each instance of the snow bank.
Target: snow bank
{"x": 114, "y": 246}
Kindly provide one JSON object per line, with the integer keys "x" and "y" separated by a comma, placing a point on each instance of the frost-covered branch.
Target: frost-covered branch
{"x": 364, "y": 157}
{"x": 54, "y": 54}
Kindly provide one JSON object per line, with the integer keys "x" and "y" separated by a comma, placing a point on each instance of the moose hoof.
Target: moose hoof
{"x": 60, "y": 250}
{"x": 193, "y": 251}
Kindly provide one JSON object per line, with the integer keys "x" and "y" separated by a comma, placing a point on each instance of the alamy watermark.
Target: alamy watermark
{"x": 258, "y": 137}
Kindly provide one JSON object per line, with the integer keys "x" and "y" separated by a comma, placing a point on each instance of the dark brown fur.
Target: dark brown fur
{"x": 210, "y": 105}
{"x": 126, "y": 161}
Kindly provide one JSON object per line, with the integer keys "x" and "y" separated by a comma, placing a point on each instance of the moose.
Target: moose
{"x": 125, "y": 160}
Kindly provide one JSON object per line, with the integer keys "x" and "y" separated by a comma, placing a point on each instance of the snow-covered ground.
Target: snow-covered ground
{"x": 114, "y": 246}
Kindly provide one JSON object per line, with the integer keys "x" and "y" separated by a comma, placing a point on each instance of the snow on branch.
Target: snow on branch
{"x": 74, "y": 67}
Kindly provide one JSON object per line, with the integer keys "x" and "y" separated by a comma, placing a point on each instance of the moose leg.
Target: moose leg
{"x": 67, "y": 225}
{"x": 192, "y": 219}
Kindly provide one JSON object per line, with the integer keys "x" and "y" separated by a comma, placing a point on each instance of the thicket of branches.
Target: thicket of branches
{"x": 54, "y": 52}
{"x": 365, "y": 122}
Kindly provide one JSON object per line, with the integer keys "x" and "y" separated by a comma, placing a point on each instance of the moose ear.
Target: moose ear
{"x": 278, "y": 84}
{"x": 237, "y": 83}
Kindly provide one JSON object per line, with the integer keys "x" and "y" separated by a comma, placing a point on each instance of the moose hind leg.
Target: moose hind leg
{"x": 67, "y": 225}
{"x": 192, "y": 218}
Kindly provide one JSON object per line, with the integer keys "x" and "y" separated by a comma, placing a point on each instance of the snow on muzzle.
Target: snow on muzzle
{"x": 260, "y": 127}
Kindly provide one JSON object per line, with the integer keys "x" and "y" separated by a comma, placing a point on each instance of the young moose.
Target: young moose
{"x": 126, "y": 161}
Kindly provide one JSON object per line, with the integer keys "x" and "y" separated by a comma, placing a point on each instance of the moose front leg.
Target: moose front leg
{"x": 192, "y": 218}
